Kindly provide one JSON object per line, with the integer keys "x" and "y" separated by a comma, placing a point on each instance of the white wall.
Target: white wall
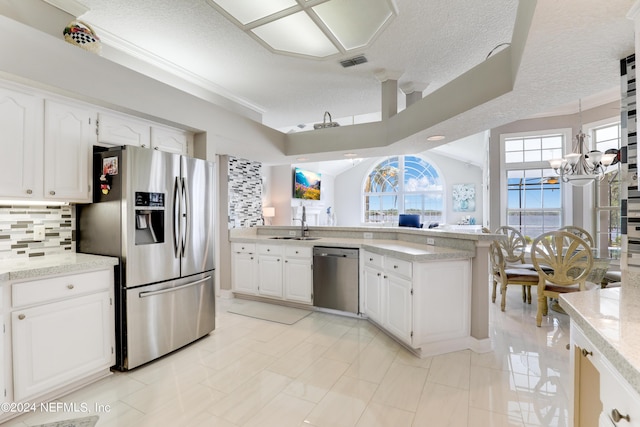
{"x": 280, "y": 189}
{"x": 348, "y": 188}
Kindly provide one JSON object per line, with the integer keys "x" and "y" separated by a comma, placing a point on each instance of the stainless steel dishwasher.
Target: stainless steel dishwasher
{"x": 335, "y": 278}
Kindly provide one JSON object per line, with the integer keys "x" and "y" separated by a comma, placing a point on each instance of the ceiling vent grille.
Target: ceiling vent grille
{"x": 353, "y": 61}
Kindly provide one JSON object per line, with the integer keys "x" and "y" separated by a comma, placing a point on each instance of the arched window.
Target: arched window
{"x": 403, "y": 184}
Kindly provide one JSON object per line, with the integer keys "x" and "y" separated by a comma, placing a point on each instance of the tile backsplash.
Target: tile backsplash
{"x": 245, "y": 193}
{"x": 16, "y": 231}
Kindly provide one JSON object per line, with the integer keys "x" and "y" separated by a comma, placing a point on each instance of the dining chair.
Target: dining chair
{"x": 513, "y": 246}
{"x": 509, "y": 276}
{"x": 567, "y": 260}
{"x": 580, "y": 232}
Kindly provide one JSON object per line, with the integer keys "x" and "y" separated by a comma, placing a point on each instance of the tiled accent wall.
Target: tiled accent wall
{"x": 630, "y": 198}
{"x": 245, "y": 193}
{"x": 16, "y": 231}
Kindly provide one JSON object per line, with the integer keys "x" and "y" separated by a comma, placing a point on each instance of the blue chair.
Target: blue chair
{"x": 409, "y": 220}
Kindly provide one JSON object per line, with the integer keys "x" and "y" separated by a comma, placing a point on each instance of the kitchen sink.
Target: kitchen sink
{"x": 306, "y": 238}
{"x": 282, "y": 237}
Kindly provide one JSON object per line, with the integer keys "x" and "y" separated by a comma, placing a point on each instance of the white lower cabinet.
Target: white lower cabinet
{"x": 270, "y": 261}
{"x": 55, "y": 344}
{"x": 372, "y": 293}
{"x": 244, "y": 263}
{"x": 298, "y": 277}
{"x": 601, "y": 395}
{"x": 62, "y": 333}
{"x": 399, "y": 307}
{"x": 273, "y": 270}
{"x": 419, "y": 303}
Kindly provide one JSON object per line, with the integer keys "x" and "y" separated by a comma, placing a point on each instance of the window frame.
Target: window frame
{"x": 566, "y": 210}
{"x": 597, "y": 188}
{"x": 401, "y": 194}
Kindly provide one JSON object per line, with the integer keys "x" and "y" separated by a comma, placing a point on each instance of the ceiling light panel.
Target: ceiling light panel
{"x": 246, "y": 11}
{"x": 354, "y": 23}
{"x": 297, "y": 34}
{"x": 311, "y": 28}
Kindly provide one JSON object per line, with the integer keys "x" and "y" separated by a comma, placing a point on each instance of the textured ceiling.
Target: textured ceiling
{"x": 429, "y": 42}
{"x": 572, "y": 52}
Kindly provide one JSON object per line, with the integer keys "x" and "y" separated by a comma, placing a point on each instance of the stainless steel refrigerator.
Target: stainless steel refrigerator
{"x": 154, "y": 211}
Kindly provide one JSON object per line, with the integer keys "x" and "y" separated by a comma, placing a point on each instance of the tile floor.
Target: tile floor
{"x": 328, "y": 370}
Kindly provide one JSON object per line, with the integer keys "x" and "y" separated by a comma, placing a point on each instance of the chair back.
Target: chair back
{"x": 580, "y": 232}
{"x": 409, "y": 220}
{"x": 514, "y": 246}
{"x": 566, "y": 257}
{"x": 497, "y": 258}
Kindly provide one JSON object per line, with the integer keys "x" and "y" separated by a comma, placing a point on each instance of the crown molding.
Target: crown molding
{"x": 119, "y": 44}
{"x": 72, "y": 7}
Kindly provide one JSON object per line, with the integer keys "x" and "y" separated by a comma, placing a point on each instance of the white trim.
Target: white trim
{"x": 72, "y": 7}
{"x": 476, "y": 345}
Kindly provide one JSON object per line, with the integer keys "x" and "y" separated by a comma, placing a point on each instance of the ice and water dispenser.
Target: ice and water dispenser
{"x": 149, "y": 218}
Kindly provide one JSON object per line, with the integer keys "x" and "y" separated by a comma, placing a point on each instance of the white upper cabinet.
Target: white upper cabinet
{"x": 20, "y": 145}
{"x": 170, "y": 140}
{"x": 116, "y": 130}
{"x": 69, "y": 133}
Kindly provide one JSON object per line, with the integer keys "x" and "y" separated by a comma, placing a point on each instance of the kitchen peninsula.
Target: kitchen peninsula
{"x": 444, "y": 305}
{"x": 605, "y": 344}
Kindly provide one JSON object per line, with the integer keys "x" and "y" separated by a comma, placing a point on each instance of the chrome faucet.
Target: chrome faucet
{"x": 304, "y": 229}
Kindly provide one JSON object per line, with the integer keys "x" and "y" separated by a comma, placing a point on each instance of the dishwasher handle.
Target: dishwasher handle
{"x": 331, "y": 255}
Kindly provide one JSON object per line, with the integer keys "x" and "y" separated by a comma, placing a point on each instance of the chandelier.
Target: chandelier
{"x": 583, "y": 166}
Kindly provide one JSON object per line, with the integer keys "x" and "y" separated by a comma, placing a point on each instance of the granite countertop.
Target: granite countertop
{"x": 400, "y": 249}
{"x": 610, "y": 319}
{"x": 17, "y": 269}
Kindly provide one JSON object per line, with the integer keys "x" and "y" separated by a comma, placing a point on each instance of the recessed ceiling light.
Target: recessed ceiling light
{"x": 302, "y": 159}
{"x": 435, "y": 138}
{"x": 350, "y": 155}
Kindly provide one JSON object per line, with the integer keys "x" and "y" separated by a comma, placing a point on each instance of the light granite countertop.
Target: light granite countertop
{"x": 408, "y": 251}
{"x": 18, "y": 269}
{"x": 610, "y": 319}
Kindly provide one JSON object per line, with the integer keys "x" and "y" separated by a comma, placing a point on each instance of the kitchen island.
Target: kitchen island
{"x": 447, "y": 271}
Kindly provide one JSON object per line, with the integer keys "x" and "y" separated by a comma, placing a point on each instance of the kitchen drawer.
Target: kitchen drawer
{"x": 243, "y": 248}
{"x": 373, "y": 259}
{"x": 270, "y": 249}
{"x": 298, "y": 251}
{"x": 398, "y": 266}
{"x": 60, "y": 287}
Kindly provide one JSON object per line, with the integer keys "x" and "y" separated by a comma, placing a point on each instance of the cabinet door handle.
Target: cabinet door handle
{"x": 384, "y": 277}
{"x": 29, "y": 191}
{"x": 370, "y": 259}
{"x": 395, "y": 266}
{"x": 53, "y": 193}
{"x": 586, "y": 353}
{"x": 21, "y": 316}
{"x": 70, "y": 286}
{"x": 617, "y": 416}
{"x": 156, "y": 148}
{"x": 286, "y": 260}
{"x": 379, "y": 274}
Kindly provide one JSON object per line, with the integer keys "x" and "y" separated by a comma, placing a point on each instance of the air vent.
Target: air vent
{"x": 353, "y": 61}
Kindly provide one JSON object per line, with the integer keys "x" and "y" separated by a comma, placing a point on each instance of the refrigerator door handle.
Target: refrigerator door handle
{"x": 146, "y": 294}
{"x": 176, "y": 218}
{"x": 184, "y": 212}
